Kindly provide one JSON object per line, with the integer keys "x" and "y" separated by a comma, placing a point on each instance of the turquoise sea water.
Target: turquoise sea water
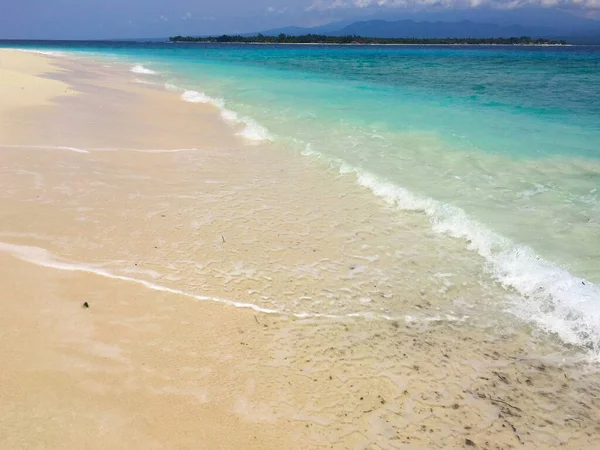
{"x": 498, "y": 146}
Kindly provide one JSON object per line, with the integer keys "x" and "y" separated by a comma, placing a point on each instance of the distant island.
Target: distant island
{"x": 359, "y": 40}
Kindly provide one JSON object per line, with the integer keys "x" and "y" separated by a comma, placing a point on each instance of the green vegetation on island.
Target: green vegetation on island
{"x": 322, "y": 39}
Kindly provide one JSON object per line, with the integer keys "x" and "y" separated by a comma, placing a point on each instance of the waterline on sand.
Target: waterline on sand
{"x": 42, "y": 257}
{"x": 544, "y": 294}
{"x": 45, "y": 147}
{"x": 100, "y": 149}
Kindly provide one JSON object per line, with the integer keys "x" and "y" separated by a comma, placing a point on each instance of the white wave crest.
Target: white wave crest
{"x": 254, "y": 131}
{"x": 140, "y": 81}
{"x": 44, "y": 52}
{"x": 173, "y": 87}
{"x": 550, "y": 297}
{"x": 201, "y": 97}
{"x": 229, "y": 116}
{"x": 308, "y": 151}
{"x": 138, "y": 68}
{"x": 251, "y": 130}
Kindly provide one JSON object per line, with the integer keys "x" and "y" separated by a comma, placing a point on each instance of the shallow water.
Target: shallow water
{"x": 496, "y": 146}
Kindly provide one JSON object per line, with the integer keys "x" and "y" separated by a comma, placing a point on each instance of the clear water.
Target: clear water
{"x": 498, "y": 146}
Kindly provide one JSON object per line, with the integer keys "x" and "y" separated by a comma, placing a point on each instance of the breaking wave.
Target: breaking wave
{"x": 138, "y": 68}
{"x": 251, "y": 130}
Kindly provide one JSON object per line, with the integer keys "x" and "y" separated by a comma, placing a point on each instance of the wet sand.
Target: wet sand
{"x": 240, "y": 295}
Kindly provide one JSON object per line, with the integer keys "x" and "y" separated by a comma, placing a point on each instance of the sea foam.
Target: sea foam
{"x": 43, "y": 258}
{"x": 138, "y": 68}
{"x": 254, "y": 131}
{"x": 549, "y": 296}
{"x": 44, "y": 52}
{"x": 251, "y": 130}
{"x": 201, "y": 97}
{"x": 140, "y": 81}
{"x": 173, "y": 87}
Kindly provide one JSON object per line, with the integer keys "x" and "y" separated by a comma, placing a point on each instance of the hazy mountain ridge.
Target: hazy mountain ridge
{"x": 465, "y": 28}
{"x": 482, "y": 24}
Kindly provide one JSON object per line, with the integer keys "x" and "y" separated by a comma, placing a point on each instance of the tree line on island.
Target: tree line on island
{"x": 323, "y": 39}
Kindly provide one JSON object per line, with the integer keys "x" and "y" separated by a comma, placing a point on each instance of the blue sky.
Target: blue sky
{"x": 86, "y": 19}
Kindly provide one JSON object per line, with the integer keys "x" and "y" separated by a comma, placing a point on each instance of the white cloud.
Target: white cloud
{"x": 187, "y": 16}
{"x": 273, "y": 10}
{"x": 163, "y": 18}
{"x": 323, "y": 5}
